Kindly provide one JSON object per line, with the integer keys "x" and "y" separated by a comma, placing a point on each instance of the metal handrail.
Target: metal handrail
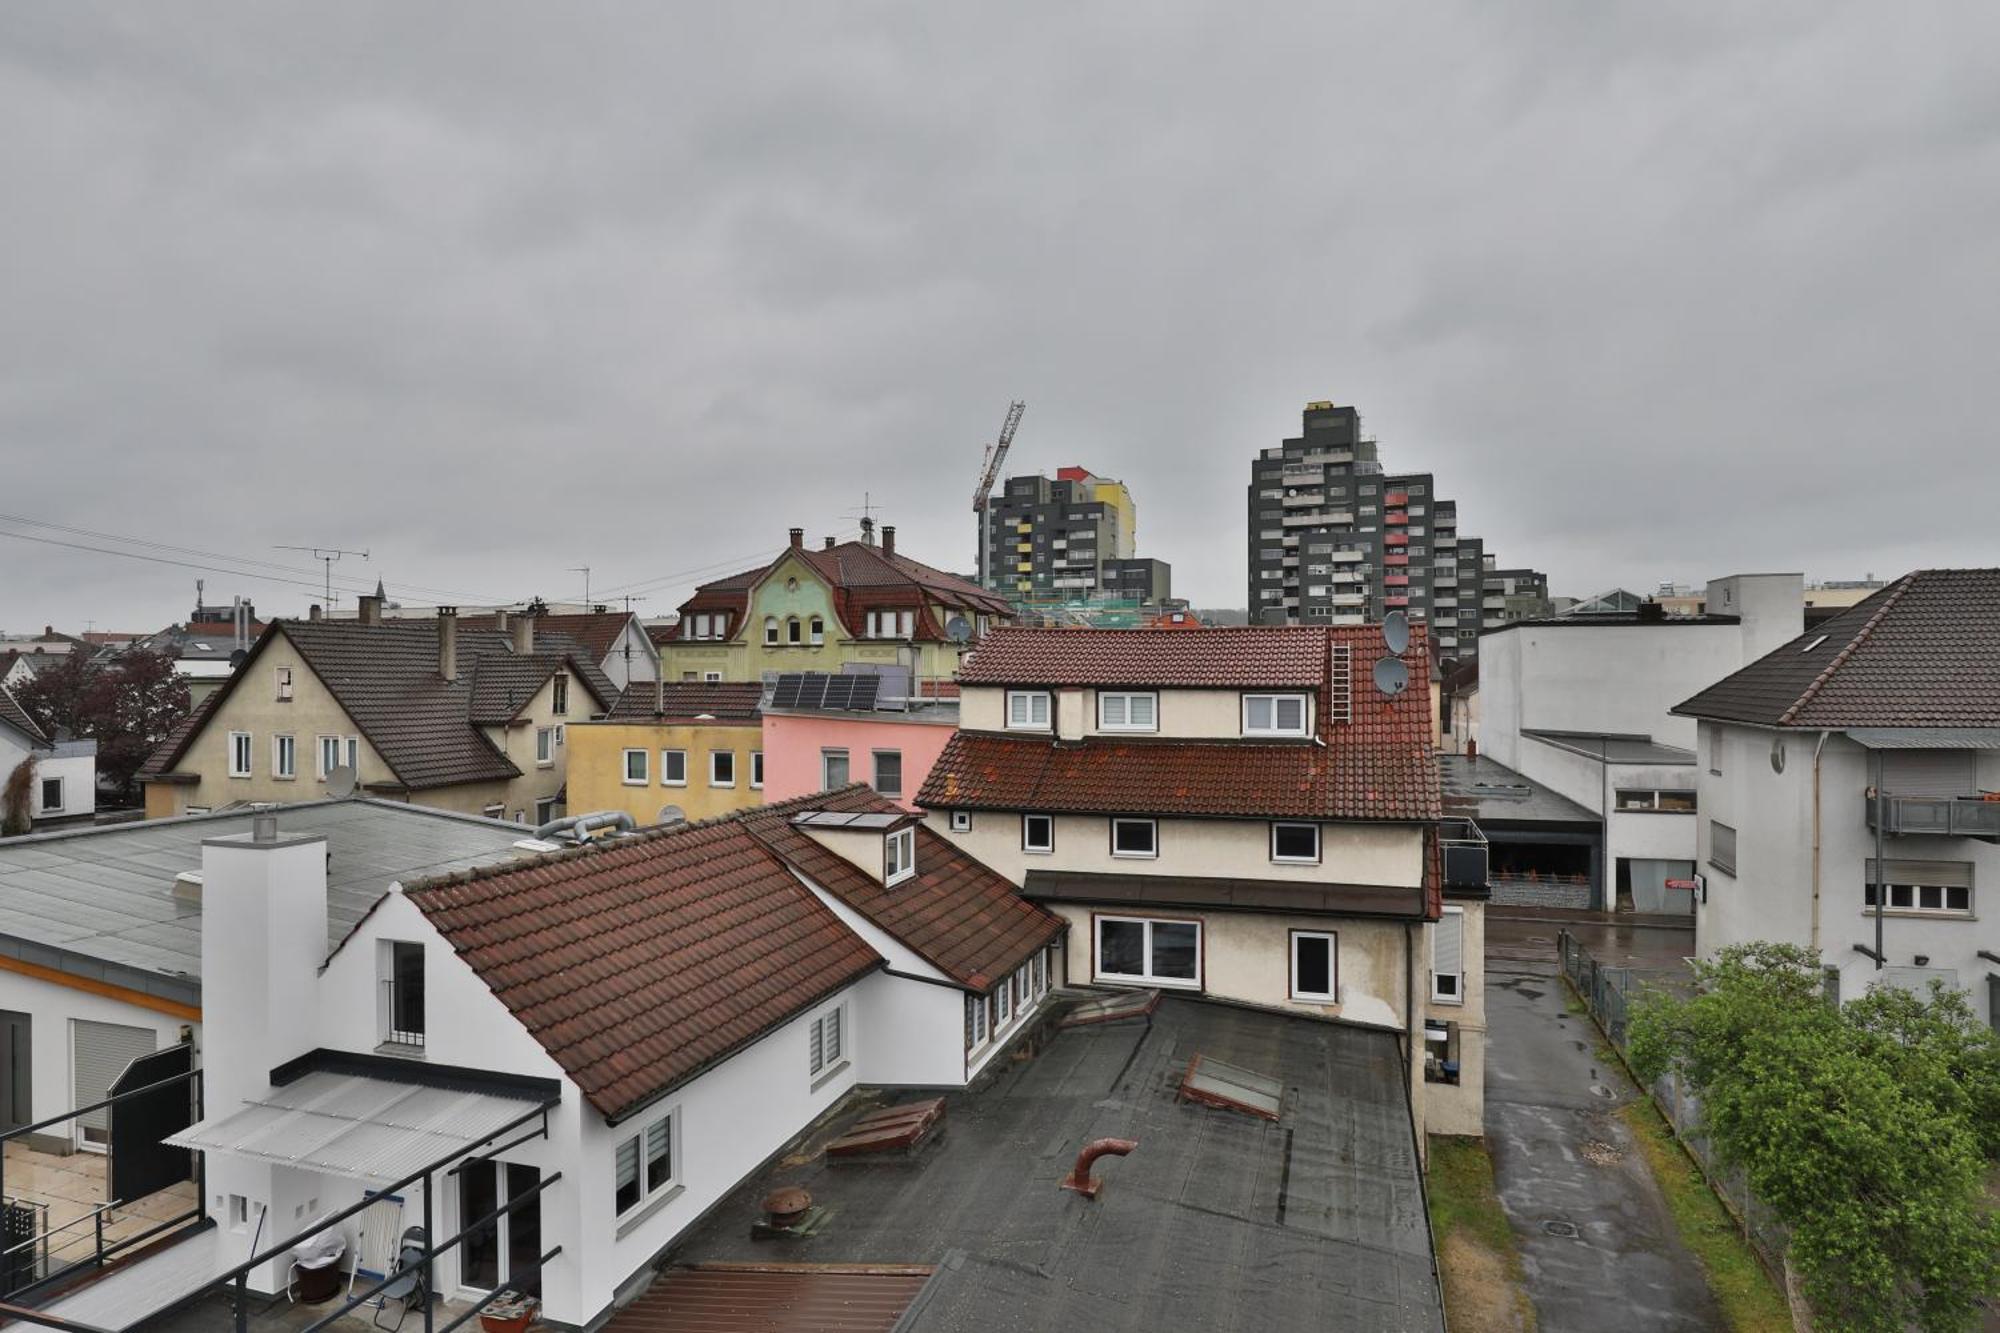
{"x": 94, "y": 1213}
{"x": 192, "y": 1075}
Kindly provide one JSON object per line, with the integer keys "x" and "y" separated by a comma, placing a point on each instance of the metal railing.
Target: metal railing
{"x": 404, "y": 1004}
{"x": 1943, "y": 816}
{"x": 1465, "y": 854}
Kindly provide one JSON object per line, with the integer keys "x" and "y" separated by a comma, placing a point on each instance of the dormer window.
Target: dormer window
{"x": 1027, "y": 710}
{"x": 1274, "y": 715}
{"x": 899, "y": 855}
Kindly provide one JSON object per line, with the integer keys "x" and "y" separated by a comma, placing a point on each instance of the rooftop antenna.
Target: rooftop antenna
{"x": 585, "y": 571}
{"x": 326, "y": 555}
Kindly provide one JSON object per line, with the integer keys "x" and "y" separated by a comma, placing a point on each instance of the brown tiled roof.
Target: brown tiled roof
{"x": 683, "y": 701}
{"x": 596, "y": 631}
{"x": 775, "y": 1298}
{"x": 385, "y": 677}
{"x": 955, "y": 913}
{"x": 17, "y": 717}
{"x": 1922, "y": 652}
{"x": 162, "y": 760}
{"x": 863, "y": 578}
{"x": 1226, "y": 656}
{"x": 639, "y": 963}
{"x": 1379, "y": 765}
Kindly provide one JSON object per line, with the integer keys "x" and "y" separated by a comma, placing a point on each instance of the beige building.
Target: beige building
{"x": 1235, "y": 812}
{"x": 417, "y": 710}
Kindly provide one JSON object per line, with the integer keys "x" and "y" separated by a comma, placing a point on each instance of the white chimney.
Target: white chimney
{"x": 524, "y": 635}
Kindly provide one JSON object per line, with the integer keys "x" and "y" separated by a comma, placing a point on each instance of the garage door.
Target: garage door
{"x": 102, "y": 1052}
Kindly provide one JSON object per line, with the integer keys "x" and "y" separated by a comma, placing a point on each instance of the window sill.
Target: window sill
{"x": 722, "y": 786}
{"x": 1172, "y": 982}
{"x": 636, "y": 782}
{"x": 1295, "y": 861}
{"x": 1137, "y": 856}
{"x": 827, "y": 1076}
{"x": 1318, "y": 1001}
{"x": 1722, "y": 870}
{"x": 647, "y": 1211}
{"x": 400, "y": 1050}
{"x": 1917, "y": 914}
{"x": 673, "y": 784}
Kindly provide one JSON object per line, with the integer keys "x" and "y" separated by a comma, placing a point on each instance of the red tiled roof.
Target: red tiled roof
{"x": 1225, "y": 656}
{"x": 683, "y": 701}
{"x": 1922, "y": 652}
{"x": 957, "y": 914}
{"x": 642, "y": 962}
{"x": 1377, "y": 766}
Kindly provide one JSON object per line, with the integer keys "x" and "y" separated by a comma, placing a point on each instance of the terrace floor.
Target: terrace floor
{"x": 70, "y": 1187}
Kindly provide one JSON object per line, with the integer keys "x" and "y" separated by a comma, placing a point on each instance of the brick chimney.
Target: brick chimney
{"x": 313, "y": 612}
{"x": 371, "y": 609}
{"x": 798, "y": 539}
{"x": 829, "y": 543}
{"x": 524, "y": 635}
{"x": 888, "y": 539}
{"x": 448, "y": 642}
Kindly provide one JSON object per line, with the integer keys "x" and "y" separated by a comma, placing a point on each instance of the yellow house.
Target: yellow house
{"x": 415, "y": 710}
{"x": 817, "y": 610}
{"x": 691, "y": 751}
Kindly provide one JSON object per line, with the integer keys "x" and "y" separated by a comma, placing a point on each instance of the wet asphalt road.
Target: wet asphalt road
{"x": 1599, "y": 1246}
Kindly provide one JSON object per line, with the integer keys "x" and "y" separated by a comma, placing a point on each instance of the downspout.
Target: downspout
{"x": 1410, "y": 1027}
{"x": 1817, "y": 747}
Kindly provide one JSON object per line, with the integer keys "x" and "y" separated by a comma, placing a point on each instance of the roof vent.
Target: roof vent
{"x": 187, "y": 887}
{"x": 1213, "y": 1083}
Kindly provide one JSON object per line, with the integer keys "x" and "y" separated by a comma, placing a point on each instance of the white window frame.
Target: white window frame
{"x": 352, "y": 744}
{"x": 666, "y": 1127}
{"x": 975, "y": 1005}
{"x": 1153, "y": 824}
{"x": 826, "y": 1041}
{"x": 961, "y": 821}
{"x": 770, "y": 631}
{"x": 285, "y": 757}
{"x": 713, "y": 757}
{"x": 545, "y": 747}
{"x": 1318, "y": 848}
{"x": 1028, "y": 698}
{"x": 645, "y": 778}
{"x": 1148, "y": 976}
{"x": 284, "y": 681}
{"x": 1457, "y": 994}
{"x": 899, "y": 855}
{"x": 559, "y": 699}
{"x": 1045, "y": 849}
{"x": 241, "y": 746}
{"x": 756, "y": 770}
{"x": 1003, "y": 1004}
{"x": 875, "y": 765}
{"x": 62, "y": 793}
{"x": 816, "y": 631}
{"x": 667, "y": 767}
{"x": 710, "y": 677}
{"x": 322, "y": 747}
{"x": 1125, "y": 699}
{"x": 1332, "y": 938}
{"x": 1276, "y": 702}
{"x": 826, "y": 775}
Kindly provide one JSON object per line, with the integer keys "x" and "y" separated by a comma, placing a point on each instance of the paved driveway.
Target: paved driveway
{"x": 1599, "y": 1246}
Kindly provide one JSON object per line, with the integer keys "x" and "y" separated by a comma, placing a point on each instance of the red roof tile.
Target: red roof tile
{"x": 683, "y": 701}
{"x": 639, "y": 963}
{"x": 1225, "y": 656}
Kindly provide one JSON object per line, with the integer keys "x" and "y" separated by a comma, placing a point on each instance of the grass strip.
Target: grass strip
{"x": 1465, "y": 1205}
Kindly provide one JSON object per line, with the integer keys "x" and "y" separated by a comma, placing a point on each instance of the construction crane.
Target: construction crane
{"x": 982, "y": 498}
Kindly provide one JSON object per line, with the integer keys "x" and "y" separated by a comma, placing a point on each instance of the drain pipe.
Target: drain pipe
{"x": 1821, "y": 745}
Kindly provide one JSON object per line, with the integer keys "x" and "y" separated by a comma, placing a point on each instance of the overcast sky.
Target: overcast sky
{"x": 1659, "y": 292}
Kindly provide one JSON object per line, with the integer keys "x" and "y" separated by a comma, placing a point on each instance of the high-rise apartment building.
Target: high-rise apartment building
{"x": 1337, "y": 539}
{"x": 1069, "y": 538}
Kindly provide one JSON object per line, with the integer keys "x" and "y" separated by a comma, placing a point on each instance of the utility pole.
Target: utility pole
{"x": 326, "y": 555}
{"x": 626, "y": 637}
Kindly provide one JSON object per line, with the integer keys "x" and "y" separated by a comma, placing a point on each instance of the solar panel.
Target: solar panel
{"x": 865, "y": 690}
{"x": 812, "y": 690}
{"x": 840, "y": 691}
{"x": 787, "y": 693}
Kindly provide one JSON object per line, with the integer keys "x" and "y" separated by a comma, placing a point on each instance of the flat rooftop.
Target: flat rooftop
{"x": 1218, "y": 1220}
{"x": 1488, "y": 792}
{"x": 100, "y": 902}
{"x": 1613, "y": 747}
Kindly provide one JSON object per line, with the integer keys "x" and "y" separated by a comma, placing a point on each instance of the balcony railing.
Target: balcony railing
{"x": 1941, "y": 816}
{"x": 1464, "y": 854}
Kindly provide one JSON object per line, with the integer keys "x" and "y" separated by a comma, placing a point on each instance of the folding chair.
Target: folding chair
{"x": 375, "y": 1256}
{"x": 409, "y": 1286}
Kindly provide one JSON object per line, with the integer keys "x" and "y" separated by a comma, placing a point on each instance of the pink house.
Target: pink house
{"x": 811, "y": 750}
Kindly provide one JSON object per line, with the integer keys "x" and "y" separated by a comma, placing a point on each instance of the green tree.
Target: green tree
{"x": 127, "y": 706}
{"x": 1865, "y": 1128}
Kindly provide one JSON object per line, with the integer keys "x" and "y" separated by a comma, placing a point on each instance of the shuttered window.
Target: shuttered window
{"x": 1928, "y": 773}
{"x": 1448, "y": 957}
{"x": 1722, "y": 847}
{"x": 102, "y": 1052}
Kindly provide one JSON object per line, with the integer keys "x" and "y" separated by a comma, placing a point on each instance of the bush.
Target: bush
{"x": 1867, "y": 1129}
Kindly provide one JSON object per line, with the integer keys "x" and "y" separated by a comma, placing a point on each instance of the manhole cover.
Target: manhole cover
{"x": 1557, "y": 1227}
{"x": 1601, "y": 1154}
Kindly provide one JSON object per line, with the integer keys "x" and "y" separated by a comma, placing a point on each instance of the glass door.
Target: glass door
{"x": 505, "y": 1251}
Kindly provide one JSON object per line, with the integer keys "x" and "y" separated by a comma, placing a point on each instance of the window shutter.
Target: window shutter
{"x": 1448, "y": 945}
{"x": 818, "y": 1047}
{"x": 833, "y": 1035}
{"x": 1142, "y": 710}
{"x": 628, "y": 1161}
{"x": 102, "y": 1052}
{"x": 1928, "y": 773}
{"x": 1114, "y": 710}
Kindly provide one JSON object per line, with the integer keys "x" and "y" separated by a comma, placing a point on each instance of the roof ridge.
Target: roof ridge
{"x": 1896, "y": 591}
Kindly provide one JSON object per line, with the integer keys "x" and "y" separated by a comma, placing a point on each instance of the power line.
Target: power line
{"x": 732, "y": 563}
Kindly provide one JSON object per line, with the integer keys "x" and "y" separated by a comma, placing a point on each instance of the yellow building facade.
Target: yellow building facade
{"x": 654, "y": 769}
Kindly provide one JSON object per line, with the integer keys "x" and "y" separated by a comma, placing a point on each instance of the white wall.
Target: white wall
{"x": 1349, "y": 853}
{"x": 78, "y": 772}
{"x": 52, "y": 1010}
{"x": 1214, "y": 714}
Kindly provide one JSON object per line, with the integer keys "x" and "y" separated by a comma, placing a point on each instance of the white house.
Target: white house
{"x": 64, "y": 782}
{"x": 1900, "y": 695}
{"x": 1582, "y": 704}
{"x": 610, "y": 1038}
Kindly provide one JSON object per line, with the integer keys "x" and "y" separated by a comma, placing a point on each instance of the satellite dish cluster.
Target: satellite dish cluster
{"x": 1392, "y": 674}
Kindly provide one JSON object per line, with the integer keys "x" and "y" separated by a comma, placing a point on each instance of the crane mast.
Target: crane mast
{"x": 982, "y": 496}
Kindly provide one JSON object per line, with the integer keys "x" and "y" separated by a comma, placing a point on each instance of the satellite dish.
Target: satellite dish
{"x": 958, "y": 629}
{"x": 1391, "y": 676}
{"x": 340, "y": 782}
{"x": 1396, "y": 632}
{"x": 671, "y": 814}
{"x": 236, "y": 658}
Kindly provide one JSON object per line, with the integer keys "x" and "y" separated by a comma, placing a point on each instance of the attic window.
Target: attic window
{"x": 1814, "y": 644}
{"x": 899, "y": 855}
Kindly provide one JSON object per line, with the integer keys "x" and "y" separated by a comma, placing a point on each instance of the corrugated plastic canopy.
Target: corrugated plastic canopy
{"x": 356, "y": 1126}
{"x": 1925, "y": 738}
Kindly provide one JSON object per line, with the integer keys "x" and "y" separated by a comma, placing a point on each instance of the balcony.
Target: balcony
{"x": 1305, "y": 498}
{"x": 1346, "y": 557}
{"x": 1396, "y": 580}
{"x": 1396, "y": 520}
{"x": 1395, "y": 601}
{"x": 1396, "y": 560}
{"x": 1396, "y": 498}
{"x": 1939, "y": 816}
{"x": 1446, "y": 539}
{"x": 1464, "y": 855}
{"x": 1347, "y": 599}
{"x": 1325, "y": 456}
{"x": 1396, "y": 538}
